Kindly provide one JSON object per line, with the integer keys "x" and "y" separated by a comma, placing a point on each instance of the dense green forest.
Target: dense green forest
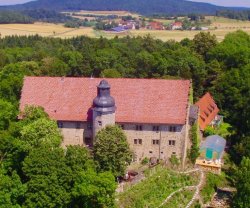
{"x": 9, "y": 17}
{"x": 221, "y": 68}
{"x": 30, "y": 16}
{"x": 145, "y": 7}
{"x": 238, "y": 15}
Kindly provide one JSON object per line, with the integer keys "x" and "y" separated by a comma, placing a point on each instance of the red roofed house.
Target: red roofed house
{"x": 176, "y": 26}
{"x": 153, "y": 113}
{"x": 155, "y": 26}
{"x": 208, "y": 111}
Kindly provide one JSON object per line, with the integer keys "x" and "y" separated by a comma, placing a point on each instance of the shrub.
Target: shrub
{"x": 194, "y": 151}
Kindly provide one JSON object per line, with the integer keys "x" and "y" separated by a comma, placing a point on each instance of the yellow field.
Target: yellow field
{"x": 119, "y": 13}
{"x": 224, "y": 26}
{"x": 43, "y": 29}
{"x": 104, "y": 13}
{"x": 225, "y": 23}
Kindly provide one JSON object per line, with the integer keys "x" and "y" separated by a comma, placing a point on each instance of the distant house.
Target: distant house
{"x": 208, "y": 112}
{"x": 176, "y": 26}
{"x": 118, "y": 29}
{"x": 155, "y": 26}
{"x": 129, "y": 25}
{"x": 204, "y": 28}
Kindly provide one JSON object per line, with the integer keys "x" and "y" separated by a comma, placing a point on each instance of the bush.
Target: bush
{"x": 174, "y": 161}
{"x": 212, "y": 182}
{"x": 194, "y": 152}
{"x": 145, "y": 161}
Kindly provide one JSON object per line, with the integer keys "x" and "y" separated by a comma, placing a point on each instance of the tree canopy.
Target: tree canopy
{"x": 222, "y": 68}
{"x": 111, "y": 150}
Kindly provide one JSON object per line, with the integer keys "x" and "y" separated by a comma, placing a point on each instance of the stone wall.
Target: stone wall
{"x": 100, "y": 120}
{"x": 163, "y": 150}
{"x": 76, "y": 133}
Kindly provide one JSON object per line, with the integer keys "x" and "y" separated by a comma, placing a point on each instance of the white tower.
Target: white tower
{"x": 103, "y": 108}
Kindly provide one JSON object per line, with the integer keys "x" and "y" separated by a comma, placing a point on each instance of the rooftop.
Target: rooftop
{"x": 208, "y": 110}
{"x": 137, "y": 100}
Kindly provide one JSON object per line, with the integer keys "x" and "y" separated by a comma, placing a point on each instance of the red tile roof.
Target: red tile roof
{"x": 137, "y": 100}
{"x": 208, "y": 110}
{"x": 177, "y": 24}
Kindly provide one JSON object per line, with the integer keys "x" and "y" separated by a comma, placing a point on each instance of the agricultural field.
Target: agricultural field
{"x": 45, "y": 30}
{"x": 107, "y": 13}
{"x": 154, "y": 190}
{"x": 219, "y": 27}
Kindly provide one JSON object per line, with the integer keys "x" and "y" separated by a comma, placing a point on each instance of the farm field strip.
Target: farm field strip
{"x": 224, "y": 26}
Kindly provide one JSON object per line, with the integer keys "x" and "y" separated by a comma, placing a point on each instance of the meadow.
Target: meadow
{"x": 152, "y": 191}
{"x": 219, "y": 27}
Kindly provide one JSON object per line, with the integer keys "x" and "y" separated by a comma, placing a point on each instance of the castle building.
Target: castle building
{"x": 153, "y": 113}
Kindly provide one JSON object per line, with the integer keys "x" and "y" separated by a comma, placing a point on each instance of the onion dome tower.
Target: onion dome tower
{"x": 103, "y": 107}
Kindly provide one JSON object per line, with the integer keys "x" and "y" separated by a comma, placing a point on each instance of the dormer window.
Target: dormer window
{"x": 203, "y": 119}
{"x": 210, "y": 110}
{"x": 206, "y": 113}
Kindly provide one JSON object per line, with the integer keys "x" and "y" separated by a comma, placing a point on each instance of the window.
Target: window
{"x": 60, "y": 124}
{"x": 99, "y": 123}
{"x": 156, "y": 141}
{"x": 156, "y": 128}
{"x": 150, "y": 152}
{"x": 78, "y": 125}
{"x": 138, "y": 127}
{"x": 211, "y": 106}
{"x": 172, "y": 128}
{"x": 173, "y": 153}
{"x": 171, "y": 142}
{"x": 89, "y": 126}
{"x": 122, "y": 126}
{"x": 137, "y": 141}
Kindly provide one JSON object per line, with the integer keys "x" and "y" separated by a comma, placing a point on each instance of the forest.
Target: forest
{"x": 30, "y": 16}
{"x": 238, "y": 15}
{"x": 173, "y": 7}
{"x": 220, "y": 68}
{"x": 10, "y": 17}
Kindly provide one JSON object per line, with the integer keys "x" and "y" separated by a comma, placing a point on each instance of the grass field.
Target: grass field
{"x": 223, "y": 25}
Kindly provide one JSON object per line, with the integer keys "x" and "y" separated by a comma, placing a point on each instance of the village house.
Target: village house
{"x": 155, "y": 26}
{"x": 153, "y": 113}
{"x": 129, "y": 24}
{"x": 208, "y": 112}
{"x": 176, "y": 26}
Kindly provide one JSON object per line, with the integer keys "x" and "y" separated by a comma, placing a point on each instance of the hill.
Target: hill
{"x": 145, "y": 7}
